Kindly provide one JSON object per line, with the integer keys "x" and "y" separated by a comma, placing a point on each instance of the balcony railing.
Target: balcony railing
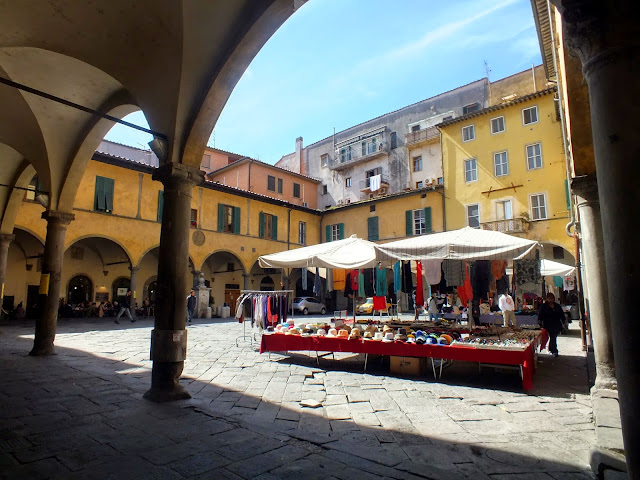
{"x": 514, "y": 225}
{"x": 355, "y": 155}
{"x": 426, "y": 135}
{"x": 366, "y": 184}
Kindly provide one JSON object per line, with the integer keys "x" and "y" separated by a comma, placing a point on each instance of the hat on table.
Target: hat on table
{"x": 322, "y": 331}
{"x": 388, "y": 337}
{"x": 332, "y": 332}
{"x": 378, "y": 336}
{"x": 343, "y": 334}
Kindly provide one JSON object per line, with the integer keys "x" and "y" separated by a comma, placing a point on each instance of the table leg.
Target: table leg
{"x": 366, "y": 357}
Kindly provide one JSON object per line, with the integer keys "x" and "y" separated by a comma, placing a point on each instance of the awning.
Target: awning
{"x": 551, "y": 268}
{"x": 350, "y": 253}
{"x": 464, "y": 244}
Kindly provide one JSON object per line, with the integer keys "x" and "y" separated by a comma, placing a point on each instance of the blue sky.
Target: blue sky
{"x": 336, "y": 63}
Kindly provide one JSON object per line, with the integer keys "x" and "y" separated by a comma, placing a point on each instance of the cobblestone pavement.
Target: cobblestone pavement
{"x": 80, "y": 414}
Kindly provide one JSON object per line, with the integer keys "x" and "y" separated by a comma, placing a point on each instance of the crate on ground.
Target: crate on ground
{"x": 407, "y": 366}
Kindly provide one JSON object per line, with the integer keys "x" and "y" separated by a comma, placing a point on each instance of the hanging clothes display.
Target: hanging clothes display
{"x": 329, "y": 280}
{"x": 379, "y": 303}
{"x": 481, "y": 278}
{"x": 397, "y": 277}
{"x": 361, "y": 293}
{"x": 304, "y": 278}
{"x": 353, "y": 280}
{"x": 381, "y": 281}
{"x": 502, "y": 284}
{"x": 454, "y": 272}
{"x": 498, "y": 268}
{"x": 264, "y": 308}
{"x": 317, "y": 285}
{"x": 569, "y": 283}
{"x": 527, "y": 271}
{"x": 432, "y": 271}
{"x": 369, "y": 281}
{"x": 465, "y": 292}
{"x": 419, "y": 292}
{"x": 407, "y": 278}
{"x": 339, "y": 279}
{"x": 558, "y": 281}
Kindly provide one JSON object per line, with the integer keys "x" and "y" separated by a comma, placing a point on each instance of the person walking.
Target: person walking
{"x": 552, "y": 318}
{"x": 508, "y": 309}
{"x": 125, "y": 306}
{"x": 191, "y": 304}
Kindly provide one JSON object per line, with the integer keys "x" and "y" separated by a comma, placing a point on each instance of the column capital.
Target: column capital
{"x": 177, "y": 172}
{"x": 58, "y": 218}
{"x": 6, "y": 238}
{"x": 585, "y": 187}
{"x": 134, "y": 268}
{"x": 599, "y": 31}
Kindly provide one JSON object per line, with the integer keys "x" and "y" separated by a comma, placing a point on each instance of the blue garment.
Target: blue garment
{"x": 304, "y": 279}
{"x": 317, "y": 287}
{"x": 381, "y": 281}
{"x": 397, "y": 276}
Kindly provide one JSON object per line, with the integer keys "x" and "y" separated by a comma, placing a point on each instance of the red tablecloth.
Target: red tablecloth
{"x": 289, "y": 343}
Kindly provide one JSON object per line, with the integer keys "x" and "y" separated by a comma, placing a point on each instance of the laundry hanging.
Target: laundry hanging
{"x": 381, "y": 281}
{"x": 397, "y": 276}
{"x": 432, "y": 271}
{"x": 419, "y": 292}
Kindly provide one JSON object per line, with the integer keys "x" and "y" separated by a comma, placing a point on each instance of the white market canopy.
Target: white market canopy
{"x": 464, "y": 244}
{"x": 551, "y": 268}
{"x": 349, "y": 253}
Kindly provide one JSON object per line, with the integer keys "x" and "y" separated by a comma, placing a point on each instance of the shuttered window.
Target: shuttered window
{"x": 372, "y": 229}
{"x": 103, "y": 201}
{"x": 228, "y": 218}
{"x": 268, "y": 226}
{"x": 418, "y": 222}
{"x": 334, "y": 232}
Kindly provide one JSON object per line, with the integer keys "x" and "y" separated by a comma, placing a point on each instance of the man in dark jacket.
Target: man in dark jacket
{"x": 125, "y": 305}
{"x": 552, "y": 318}
{"x": 191, "y": 305}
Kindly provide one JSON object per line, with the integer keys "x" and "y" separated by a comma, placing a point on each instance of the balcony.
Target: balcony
{"x": 514, "y": 225}
{"x": 428, "y": 135}
{"x": 355, "y": 156}
{"x": 365, "y": 185}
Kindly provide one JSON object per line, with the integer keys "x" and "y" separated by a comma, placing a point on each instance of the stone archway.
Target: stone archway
{"x": 80, "y": 290}
{"x": 24, "y": 263}
{"x": 225, "y": 273}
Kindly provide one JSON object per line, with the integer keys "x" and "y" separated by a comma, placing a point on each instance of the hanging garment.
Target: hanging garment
{"x": 317, "y": 286}
{"x": 527, "y": 271}
{"x": 375, "y": 182}
{"x": 348, "y": 289}
{"x": 361, "y": 293}
{"x": 407, "y": 278}
{"x": 339, "y": 279}
{"x": 454, "y": 272}
{"x": 465, "y": 292}
{"x": 369, "y": 281}
{"x": 397, "y": 276}
{"x": 329, "y": 280}
{"x": 502, "y": 285}
{"x": 498, "y": 268}
{"x": 569, "y": 283}
{"x": 379, "y": 303}
{"x": 432, "y": 271}
{"x": 419, "y": 292}
{"x": 558, "y": 281}
{"x": 304, "y": 279}
{"x": 381, "y": 281}
{"x": 285, "y": 307}
{"x": 481, "y": 278}
{"x": 353, "y": 279}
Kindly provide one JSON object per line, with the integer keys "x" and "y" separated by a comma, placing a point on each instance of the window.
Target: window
{"x": 324, "y": 159}
{"x": 296, "y": 190}
{"x": 538, "y": 206}
{"x": 160, "y": 204}
{"x": 500, "y": 164}
{"x": 497, "y": 125}
{"x": 271, "y": 183}
{"x": 370, "y": 146}
{"x": 394, "y": 140}
{"x": 324, "y": 189}
{"x": 228, "y": 218}
{"x": 372, "y": 208}
{"x": 529, "y": 115}
{"x": 334, "y": 232}
{"x": 440, "y": 180}
{"x": 206, "y": 161}
{"x": 103, "y": 200}
{"x": 32, "y": 189}
{"x": 415, "y": 128}
{"x": 302, "y": 233}
{"x": 279, "y": 185}
{"x": 417, "y": 164}
{"x": 345, "y": 154}
{"x": 347, "y": 182}
{"x": 534, "y": 156}
{"x": 194, "y": 218}
{"x": 558, "y": 253}
{"x": 470, "y": 170}
{"x": 372, "y": 229}
{"x": 474, "y": 107}
{"x": 268, "y": 226}
{"x": 419, "y": 184}
{"x": 503, "y": 210}
{"x": 473, "y": 216}
{"x": 468, "y": 133}
{"x": 418, "y": 221}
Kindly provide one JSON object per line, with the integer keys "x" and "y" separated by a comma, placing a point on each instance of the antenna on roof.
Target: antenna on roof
{"x": 487, "y": 70}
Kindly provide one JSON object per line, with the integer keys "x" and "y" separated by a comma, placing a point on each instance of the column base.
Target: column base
{"x": 161, "y": 395}
{"x": 42, "y": 350}
{"x": 165, "y": 383}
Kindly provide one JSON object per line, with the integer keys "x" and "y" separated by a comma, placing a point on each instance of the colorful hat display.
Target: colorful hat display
{"x": 388, "y": 337}
{"x": 343, "y": 334}
{"x": 378, "y": 336}
{"x": 449, "y": 338}
{"x": 322, "y": 332}
{"x": 355, "y": 333}
{"x": 431, "y": 340}
{"x": 332, "y": 332}
{"x": 368, "y": 335}
{"x": 442, "y": 341}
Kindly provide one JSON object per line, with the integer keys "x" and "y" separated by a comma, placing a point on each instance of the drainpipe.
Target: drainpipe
{"x": 444, "y": 213}
{"x": 249, "y": 184}
{"x": 289, "y": 228}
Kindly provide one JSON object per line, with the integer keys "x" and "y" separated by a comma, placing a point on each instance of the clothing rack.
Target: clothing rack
{"x": 244, "y": 336}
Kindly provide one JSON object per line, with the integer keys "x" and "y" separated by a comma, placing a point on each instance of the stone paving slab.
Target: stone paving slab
{"x": 80, "y": 414}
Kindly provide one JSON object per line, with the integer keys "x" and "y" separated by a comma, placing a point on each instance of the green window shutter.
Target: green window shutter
{"x": 427, "y": 220}
{"x": 99, "y": 203}
{"x": 236, "y": 219}
{"x": 274, "y": 227}
{"x": 372, "y": 228}
{"x": 261, "y": 233}
{"x": 160, "y": 204}
{"x": 340, "y": 231}
{"x": 220, "y": 217}
{"x": 327, "y": 237}
{"x": 567, "y": 193}
{"x": 409, "y": 217}
{"x": 108, "y": 191}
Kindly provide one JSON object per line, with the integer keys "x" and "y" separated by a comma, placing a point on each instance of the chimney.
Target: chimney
{"x": 302, "y": 168}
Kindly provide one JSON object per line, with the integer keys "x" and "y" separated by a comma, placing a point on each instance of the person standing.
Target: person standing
{"x": 125, "y": 305}
{"x": 191, "y": 304}
{"x": 432, "y": 308}
{"x": 508, "y": 309}
{"x": 552, "y": 318}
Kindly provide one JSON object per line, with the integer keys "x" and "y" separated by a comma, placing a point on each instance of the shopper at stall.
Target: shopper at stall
{"x": 508, "y": 309}
{"x": 551, "y": 317}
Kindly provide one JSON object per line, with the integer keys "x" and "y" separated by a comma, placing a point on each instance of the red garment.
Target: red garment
{"x": 379, "y": 303}
{"x": 465, "y": 292}
{"x": 353, "y": 278}
{"x": 419, "y": 292}
{"x": 498, "y": 268}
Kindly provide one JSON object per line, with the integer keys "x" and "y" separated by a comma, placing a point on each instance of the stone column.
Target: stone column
{"x": 5, "y": 241}
{"x": 586, "y": 190}
{"x": 57, "y": 223}
{"x": 169, "y": 337}
{"x": 246, "y": 277}
{"x": 133, "y": 287}
{"x": 606, "y": 37}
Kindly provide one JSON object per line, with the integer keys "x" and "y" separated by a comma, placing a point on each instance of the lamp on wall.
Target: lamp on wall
{"x": 106, "y": 272}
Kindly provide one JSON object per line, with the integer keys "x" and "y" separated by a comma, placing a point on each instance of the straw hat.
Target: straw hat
{"x": 343, "y": 334}
{"x": 388, "y": 337}
{"x": 322, "y": 332}
{"x": 368, "y": 335}
{"x": 332, "y": 332}
{"x": 378, "y": 336}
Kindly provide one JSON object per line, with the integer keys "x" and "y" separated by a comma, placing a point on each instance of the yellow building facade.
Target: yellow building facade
{"x": 505, "y": 169}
